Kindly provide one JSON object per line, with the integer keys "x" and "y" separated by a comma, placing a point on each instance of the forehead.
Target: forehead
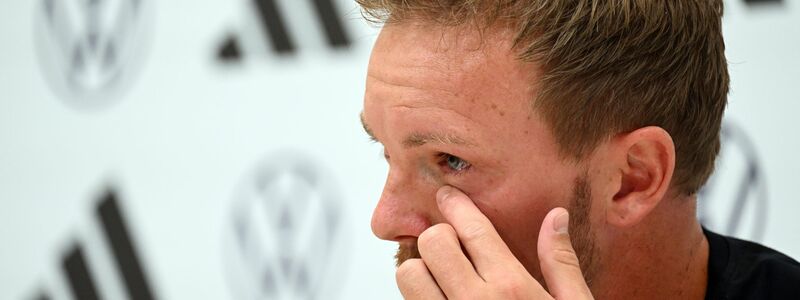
{"x": 426, "y": 53}
{"x": 459, "y": 68}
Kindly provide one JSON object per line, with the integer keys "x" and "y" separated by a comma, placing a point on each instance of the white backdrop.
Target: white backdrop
{"x": 205, "y": 155}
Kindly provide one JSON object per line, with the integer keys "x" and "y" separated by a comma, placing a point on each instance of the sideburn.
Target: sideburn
{"x": 580, "y": 228}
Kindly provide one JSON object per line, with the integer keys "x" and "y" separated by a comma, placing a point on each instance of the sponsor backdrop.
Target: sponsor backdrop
{"x": 212, "y": 149}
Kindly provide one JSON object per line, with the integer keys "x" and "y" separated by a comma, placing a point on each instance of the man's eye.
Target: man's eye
{"x": 455, "y": 163}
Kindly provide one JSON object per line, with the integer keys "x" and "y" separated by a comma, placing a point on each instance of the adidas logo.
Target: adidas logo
{"x": 79, "y": 276}
{"x": 274, "y": 28}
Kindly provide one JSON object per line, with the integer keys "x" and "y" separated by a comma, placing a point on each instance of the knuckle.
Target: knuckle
{"x": 429, "y": 235}
{"x": 476, "y": 296}
{"x": 510, "y": 289}
{"x": 474, "y": 231}
{"x": 410, "y": 269}
{"x": 430, "y": 238}
{"x": 565, "y": 257}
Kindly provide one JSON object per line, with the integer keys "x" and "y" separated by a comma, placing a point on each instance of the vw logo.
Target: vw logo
{"x": 285, "y": 237}
{"x": 90, "y": 49}
{"x": 734, "y": 201}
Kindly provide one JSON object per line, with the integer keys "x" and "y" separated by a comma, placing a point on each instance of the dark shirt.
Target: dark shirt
{"x": 740, "y": 269}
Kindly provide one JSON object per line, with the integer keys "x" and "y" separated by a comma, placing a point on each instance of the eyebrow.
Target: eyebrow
{"x": 418, "y": 139}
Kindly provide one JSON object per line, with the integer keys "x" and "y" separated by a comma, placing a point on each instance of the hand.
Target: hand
{"x": 488, "y": 269}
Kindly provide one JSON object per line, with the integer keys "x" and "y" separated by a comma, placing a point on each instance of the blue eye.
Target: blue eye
{"x": 455, "y": 163}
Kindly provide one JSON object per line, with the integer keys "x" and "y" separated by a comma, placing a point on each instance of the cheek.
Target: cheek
{"x": 516, "y": 201}
{"x": 517, "y": 214}
{"x": 517, "y": 211}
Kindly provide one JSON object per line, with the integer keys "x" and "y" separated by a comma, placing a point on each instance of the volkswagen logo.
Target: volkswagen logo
{"x": 285, "y": 237}
{"x": 91, "y": 49}
{"x": 734, "y": 201}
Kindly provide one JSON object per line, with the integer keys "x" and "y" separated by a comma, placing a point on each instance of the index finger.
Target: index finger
{"x": 487, "y": 251}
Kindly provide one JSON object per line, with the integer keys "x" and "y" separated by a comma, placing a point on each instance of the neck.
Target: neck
{"x": 663, "y": 257}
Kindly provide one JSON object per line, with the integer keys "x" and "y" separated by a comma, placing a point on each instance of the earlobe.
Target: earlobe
{"x": 645, "y": 174}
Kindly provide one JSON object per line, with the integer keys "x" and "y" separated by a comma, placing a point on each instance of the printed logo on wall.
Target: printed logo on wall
{"x": 90, "y": 50}
{"x": 273, "y": 28}
{"x": 734, "y": 201}
{"x": 286, "y": 237}
{"x": 81, "y": 279}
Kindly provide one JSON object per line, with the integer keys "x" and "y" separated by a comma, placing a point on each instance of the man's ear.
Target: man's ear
{"x": 645, "y": 161}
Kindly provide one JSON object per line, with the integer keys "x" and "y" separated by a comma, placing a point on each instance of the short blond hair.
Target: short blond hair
{"x": 609, "y": 67}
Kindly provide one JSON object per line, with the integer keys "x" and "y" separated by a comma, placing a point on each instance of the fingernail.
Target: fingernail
{"x": 561, "y": 223}
{"x": 443, "y": 193}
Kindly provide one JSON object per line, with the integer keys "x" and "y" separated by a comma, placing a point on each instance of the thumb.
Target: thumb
{"x": 557, "y": 258}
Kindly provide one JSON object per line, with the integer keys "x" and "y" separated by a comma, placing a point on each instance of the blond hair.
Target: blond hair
{"x": 609, "y": 67}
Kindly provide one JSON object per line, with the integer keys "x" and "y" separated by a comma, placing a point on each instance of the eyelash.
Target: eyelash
{"x": 444, "y": 162}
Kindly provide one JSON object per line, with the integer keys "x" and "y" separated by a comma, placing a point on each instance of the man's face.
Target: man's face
{"x": 452, "y": 106}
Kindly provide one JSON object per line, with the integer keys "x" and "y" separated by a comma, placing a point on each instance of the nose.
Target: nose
{"x": 406, "y": 208}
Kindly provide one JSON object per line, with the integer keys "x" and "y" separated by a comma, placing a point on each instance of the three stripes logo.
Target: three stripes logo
{"x": 274, "y": 29}
{"x": 81, "y": 282}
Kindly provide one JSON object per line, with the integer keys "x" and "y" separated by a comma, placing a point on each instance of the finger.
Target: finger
{"x": 558, "y": 260}
{"x": 487, "y": 251}
{"x": 442, "y": 254}
{"x": 415, "y": 282}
